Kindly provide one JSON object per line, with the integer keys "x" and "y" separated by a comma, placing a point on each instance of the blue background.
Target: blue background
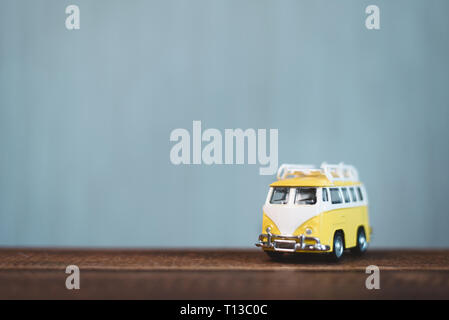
{"x": 86, "y": 115}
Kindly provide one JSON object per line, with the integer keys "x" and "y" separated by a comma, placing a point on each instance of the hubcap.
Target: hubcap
{"x": 362, "y": 241}
{"x": 338, "y": 247}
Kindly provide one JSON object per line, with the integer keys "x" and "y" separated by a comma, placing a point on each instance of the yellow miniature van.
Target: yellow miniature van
{"x": 310, "y": 209}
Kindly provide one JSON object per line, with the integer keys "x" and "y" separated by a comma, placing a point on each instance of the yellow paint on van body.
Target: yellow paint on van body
{"x": 347, "y": 220}
{"x": 325, "y": 224}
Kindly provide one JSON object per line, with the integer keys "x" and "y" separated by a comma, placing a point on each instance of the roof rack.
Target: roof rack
{"x": 333, "y": 172}
{"x": 295, "y": 170}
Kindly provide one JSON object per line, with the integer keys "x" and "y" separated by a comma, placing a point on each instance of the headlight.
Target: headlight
{"x": 309, "y": 231}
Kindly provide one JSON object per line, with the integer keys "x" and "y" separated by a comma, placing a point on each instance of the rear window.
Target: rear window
{"x": 305, "y": 196}
{"x": 335, "y": 196}
{"x": 360, "y": 193}
{"x": 280, "y": 195}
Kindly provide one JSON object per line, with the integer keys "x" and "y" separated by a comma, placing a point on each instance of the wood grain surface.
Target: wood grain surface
{"x": 220, "y": 274}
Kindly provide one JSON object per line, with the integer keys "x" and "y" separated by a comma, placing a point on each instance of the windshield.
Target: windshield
{"x": 305, "y": 196}
{"x": 279, "y": 196}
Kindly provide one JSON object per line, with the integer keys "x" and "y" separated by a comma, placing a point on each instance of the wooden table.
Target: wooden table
{"x": 219, "y": 274}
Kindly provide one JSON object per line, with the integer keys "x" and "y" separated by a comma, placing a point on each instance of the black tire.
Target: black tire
{"x": 361, "y": 243}
{"x": 274, "y": 255}
{"x": 338, "y": 247}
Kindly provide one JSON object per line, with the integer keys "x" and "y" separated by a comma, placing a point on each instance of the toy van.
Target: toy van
{"x": 321, "y": 210}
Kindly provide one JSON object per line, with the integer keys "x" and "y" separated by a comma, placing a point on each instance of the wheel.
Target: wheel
{"x": 362, "y": 244}
{"x": 274, "y": 254}
{"x": 338, "y": 247}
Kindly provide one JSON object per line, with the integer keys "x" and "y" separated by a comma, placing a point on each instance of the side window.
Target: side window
{"x": 346, "y": 194}
{"x": 360, "y": 193}
{"x": 335, "y": 196}
{"x": 325, "y": 197}
{"x": 354, "y": 198}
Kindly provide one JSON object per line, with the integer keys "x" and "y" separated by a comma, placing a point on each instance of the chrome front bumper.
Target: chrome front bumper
{"x": 290, "y": 243}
